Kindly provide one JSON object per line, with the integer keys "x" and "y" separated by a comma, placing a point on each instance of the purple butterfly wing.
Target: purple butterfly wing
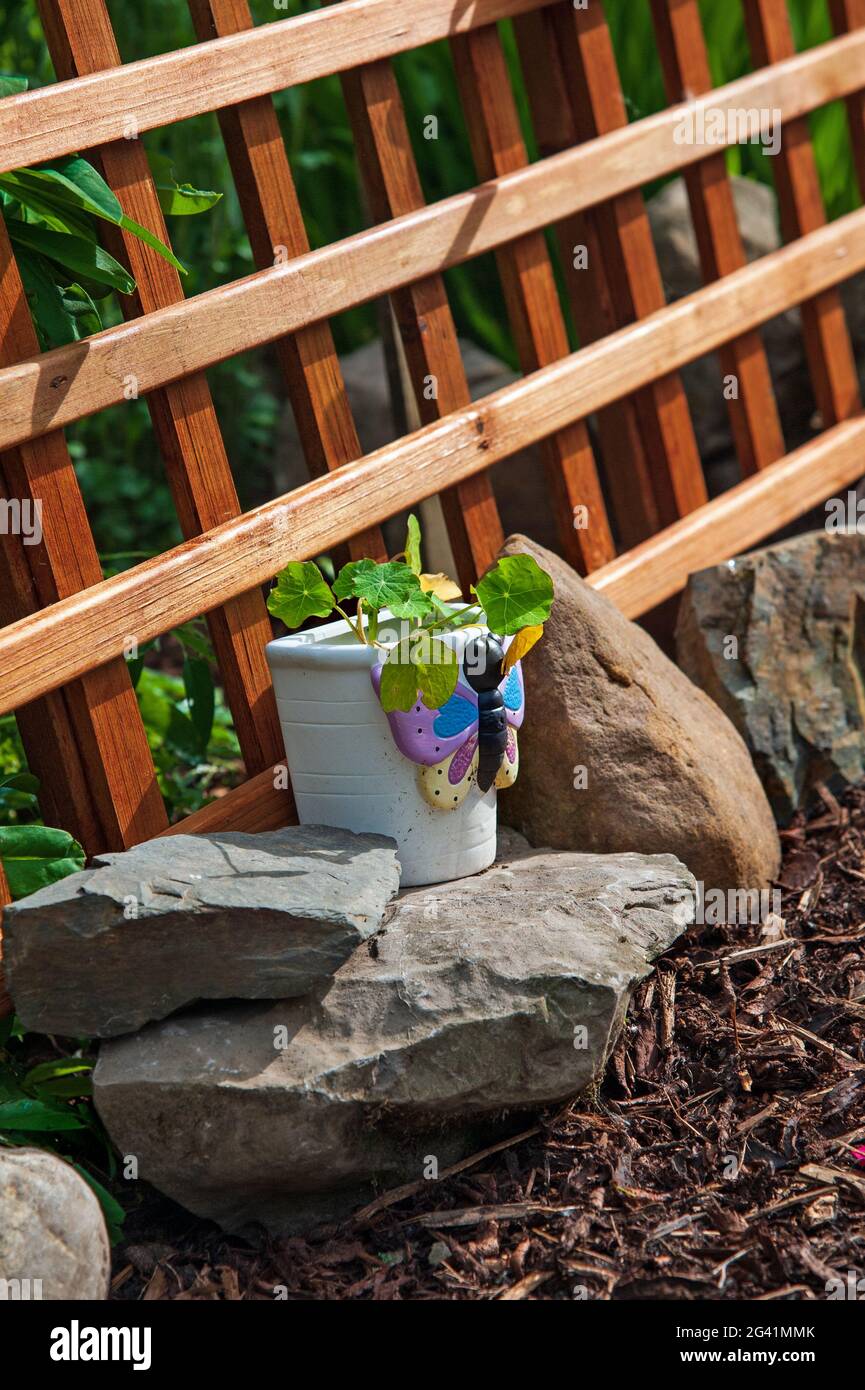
{"x": 427, "y": 736}
{"x": 514, "y": 695}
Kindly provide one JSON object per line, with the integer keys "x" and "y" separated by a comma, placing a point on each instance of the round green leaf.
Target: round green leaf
{"x": 301, "y": 592}
{"x": 391, "y": 585}
{"x": 515, "y": 593}
{"x": 419, "y": 665}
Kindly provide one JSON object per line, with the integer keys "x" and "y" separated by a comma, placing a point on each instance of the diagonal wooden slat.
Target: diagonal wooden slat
{"x": 422, "y": 312}
{"x": 578, "y": 236}
{"x": 531, "y": 296}
{"x": 60, "y": 119}
{"x": 271, "y": 211}
{"x": 753, "y": 411}
{"x": 55, "y": 388}
{"x": 88, "y": 746}
{"x": 37, "y": 654}
{"x": 595, "y": 91}
{"x": 827, "y": 341}
{"x": 81, "y": 40}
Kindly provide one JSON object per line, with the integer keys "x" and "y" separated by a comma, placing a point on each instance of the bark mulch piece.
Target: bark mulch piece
{"x": 717, "y": 1159}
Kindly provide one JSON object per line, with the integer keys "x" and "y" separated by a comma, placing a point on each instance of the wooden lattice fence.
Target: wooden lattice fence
{"x": 62, "y": 668}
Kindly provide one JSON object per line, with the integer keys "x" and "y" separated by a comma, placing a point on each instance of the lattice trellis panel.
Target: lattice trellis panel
{"x": 61, "y": 651}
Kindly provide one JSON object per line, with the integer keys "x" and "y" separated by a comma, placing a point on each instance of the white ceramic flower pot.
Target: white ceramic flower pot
{"x": 347, "y": 771}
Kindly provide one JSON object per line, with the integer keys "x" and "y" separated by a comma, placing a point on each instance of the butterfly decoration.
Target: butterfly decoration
{"x": 444, "y": 742}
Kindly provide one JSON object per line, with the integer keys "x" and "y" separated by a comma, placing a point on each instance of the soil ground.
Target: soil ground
{"x": 721, "y": 1157}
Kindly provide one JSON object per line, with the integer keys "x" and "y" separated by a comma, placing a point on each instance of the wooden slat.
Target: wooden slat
{"x": 95, "y": 729}
{"x": 754, "y": 419}
{"x": 39, "y": 653}
{"x": 422, "y": 312}
{"x": 46, "y": 726}
{"x": 652, "y": 572}
{"x": 271, "y": 211}
{"x": 253, "y": 806}
{"x": 81, "y": 40}
{"x": 97, "y": 109}
{"x": 827, "y": 341}
{"x": 66, "y": 384}
{"x": 532, "y": 300}
{"x": 740, "y": 518}
{"x": 632, "y": 266}
{"x": 626, "y": 466}
{"x": 847, "y": 16}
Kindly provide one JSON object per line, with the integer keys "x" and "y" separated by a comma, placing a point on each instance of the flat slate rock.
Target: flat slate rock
{"x": 777, "y": 639}
{"x": 189, "y": 917}
{"x": 53, "y": 1241}
{"x": 478, "y": 999}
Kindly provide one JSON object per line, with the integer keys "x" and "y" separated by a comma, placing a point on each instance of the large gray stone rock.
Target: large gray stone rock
{"x": 619, "y": 751}
{"x": 183, "y": 917}
{"x": 53, "y": 1241}
{"x": 777, "y": 639}
{"x": 479, "y": 997}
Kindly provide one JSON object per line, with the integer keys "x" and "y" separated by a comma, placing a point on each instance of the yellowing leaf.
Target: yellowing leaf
{"x": 440, "y": 585}
{"x": 522, "y": 643}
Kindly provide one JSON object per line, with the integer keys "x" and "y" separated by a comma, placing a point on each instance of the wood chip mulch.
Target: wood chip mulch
{"x": 722, "y": 1157}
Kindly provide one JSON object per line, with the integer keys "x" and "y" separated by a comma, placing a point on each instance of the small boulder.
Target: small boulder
{"x": 53, "y": 1241}
{"x": 619, "y": 751}
{"x": 188, "y": 917}
{"x": 777, "y": 638}
{"x": 485, "y": 996}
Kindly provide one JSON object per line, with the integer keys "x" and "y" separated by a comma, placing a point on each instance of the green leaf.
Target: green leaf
{"x": 36, "y": 202}
{"x": 412, "y": 544}
{"x": 58, "y": 1066}
{"x": 111, "y": 1208}
{"x": 301, "y": 592}
{"x": 46, "y": 300}
{"x": 11, "y": 84}
{"x": 20, "y": 782}
{"x": 419, "y": 665}
{"x": 73, "y": 183}
{"x": 66, "y": 1088}
{"x": 515, "y": 593}
{"x": 84, "y": 257}
{"x": 152, "y": 241}
{"x": 39, "y": 1115}
{"x": 34, "y": 856}
{"x": 81, "y": 310}
{"x": 201, "y": 697}
{"x": 391, "y": 585}
{"x": 178, "y": 199}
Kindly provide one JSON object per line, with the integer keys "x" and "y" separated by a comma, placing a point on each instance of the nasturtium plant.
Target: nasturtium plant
{"x": 301, "y": 592}
{"x": 515, "y": 593}
{"x": 514, "y": 599}
{"x": 419, "y": 664}
{"x": 50, "y": 212}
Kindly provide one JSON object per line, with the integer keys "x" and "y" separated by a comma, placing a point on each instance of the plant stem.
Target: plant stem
{"x": 358, "y": 634}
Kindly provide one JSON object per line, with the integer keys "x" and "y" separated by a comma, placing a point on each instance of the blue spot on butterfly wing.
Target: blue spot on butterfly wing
{"x": 453, "y": 717}
{"x": 511, "y": 691}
